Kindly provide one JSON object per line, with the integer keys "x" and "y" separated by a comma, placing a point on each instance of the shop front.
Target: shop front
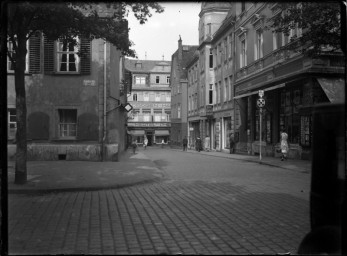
{"x": 161, "y": 136}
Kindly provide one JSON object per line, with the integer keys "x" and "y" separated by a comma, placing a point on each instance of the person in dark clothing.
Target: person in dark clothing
{"x": 134, "y": 146}
{"x": 198, "y": 144}
{"x": 185, "y": 143}
{"x": 231, "y": 144}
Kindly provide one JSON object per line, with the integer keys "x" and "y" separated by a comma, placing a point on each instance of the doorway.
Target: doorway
{"x": 149, "y": 136}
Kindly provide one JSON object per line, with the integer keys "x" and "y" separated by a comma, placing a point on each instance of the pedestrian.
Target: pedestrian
{"x": 231, "y": 144}
{"x": 207, "y": 143}
{"x": 284, "y": 144}
{"x": 198, "y": 144}
{"x": 185, "y": 142}
{"x": 145, "y": 142}
{"x": 162, "y": 143}
{"x": 134, "y": 146}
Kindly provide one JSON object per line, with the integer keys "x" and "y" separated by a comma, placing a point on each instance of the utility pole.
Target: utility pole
{"x": 261, "y": 104}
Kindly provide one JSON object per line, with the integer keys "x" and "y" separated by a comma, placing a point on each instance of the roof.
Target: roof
{"x": 187, "y": 56}
{"x": 147, "y": 65}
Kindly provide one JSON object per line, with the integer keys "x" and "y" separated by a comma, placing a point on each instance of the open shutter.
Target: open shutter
{"x": 48, "y": 56}
{"x": 85, "y": 55}
{"x": 35, "y": 53}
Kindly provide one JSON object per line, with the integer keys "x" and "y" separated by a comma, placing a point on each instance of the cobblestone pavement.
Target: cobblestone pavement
{"x": 169, "y": 217}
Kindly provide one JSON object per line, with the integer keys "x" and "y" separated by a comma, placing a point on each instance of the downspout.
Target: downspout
{"x": 104, "y": 127}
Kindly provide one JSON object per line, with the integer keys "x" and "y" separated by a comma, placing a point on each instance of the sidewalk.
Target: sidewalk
{"x": 132, "y": 169}
{"x": 290, "y": 164}
{"x": 54, "y": 176}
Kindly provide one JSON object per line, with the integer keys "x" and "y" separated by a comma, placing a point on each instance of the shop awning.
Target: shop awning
{"x": 256, "y": 92}
{"x": 334, "y": 88}
{"x": 161, "y": 132}
{"x": 137, "y": 132}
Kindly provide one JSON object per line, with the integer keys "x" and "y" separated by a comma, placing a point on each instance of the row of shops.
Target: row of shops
{"x": 288, "y": 106}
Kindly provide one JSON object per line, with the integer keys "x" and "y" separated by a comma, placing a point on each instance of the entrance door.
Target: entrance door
{"x": 150, "y": 138}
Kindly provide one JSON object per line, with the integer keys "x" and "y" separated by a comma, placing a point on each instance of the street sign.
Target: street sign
{"x": 128, "y": 107}
{"x": 261, "y": 102}
{"x": 261, "y": 93}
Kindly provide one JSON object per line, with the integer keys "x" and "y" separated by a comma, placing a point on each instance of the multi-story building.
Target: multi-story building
{"x": 243, "y": 58}
{"x": 179, "y": 91}
{"x": 210, "y": 79}
{"x": 75, "y": 103}
{"x": 291, "y": 83}
{"x": 150, "y": 98}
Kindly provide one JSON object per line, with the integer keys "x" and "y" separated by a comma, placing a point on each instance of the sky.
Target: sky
{"x": 160, "y": 34}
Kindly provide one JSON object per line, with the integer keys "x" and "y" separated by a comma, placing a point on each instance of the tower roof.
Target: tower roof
{"x": 214, "y": 7}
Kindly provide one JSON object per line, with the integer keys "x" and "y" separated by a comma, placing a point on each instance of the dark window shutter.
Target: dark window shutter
{"x": 35, "y": 53}
{"x": 85, "y": 55}
{"x": 48, "y": 56}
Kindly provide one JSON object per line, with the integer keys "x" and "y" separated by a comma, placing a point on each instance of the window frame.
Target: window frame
{"x": 258, "y": 44}
{"x": 68, "y": 124}
{"x": 58, "y": 61}
{"x": 157, "y": 79}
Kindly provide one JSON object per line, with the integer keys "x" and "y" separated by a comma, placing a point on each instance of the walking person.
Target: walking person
{"x": 231, "y": 144}
{"x": 284, "y": 144}
{"x": 162, "y": 143}
{"x": 198, "y": 144}
{"x": 134, "y": 146}
{"x": 207, "y": 143}
{"x": 145, "y": 142}
{"x": 185, "y": 143}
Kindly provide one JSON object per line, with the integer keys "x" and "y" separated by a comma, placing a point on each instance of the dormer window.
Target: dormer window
{"x": 138, "y": 65}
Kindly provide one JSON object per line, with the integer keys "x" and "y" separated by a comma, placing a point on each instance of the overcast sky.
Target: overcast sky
{"x": 159, "y": 35}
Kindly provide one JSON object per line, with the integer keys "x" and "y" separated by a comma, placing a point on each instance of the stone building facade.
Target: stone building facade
{"x": 75, "y": 103}
{"x": 240, "y": 58}
{"x": 150, "y": 98}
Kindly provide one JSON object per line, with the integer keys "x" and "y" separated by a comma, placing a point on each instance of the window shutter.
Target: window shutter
{"x": 85, "y": 55}
{"x": 35, "y": 53}
{"x": 48, "y": 56}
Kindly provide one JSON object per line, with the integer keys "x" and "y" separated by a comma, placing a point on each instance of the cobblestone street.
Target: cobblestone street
{"x": 169, "y": 217}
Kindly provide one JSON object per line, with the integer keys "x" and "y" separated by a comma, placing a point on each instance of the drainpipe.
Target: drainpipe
{"x": 104, "y": 127}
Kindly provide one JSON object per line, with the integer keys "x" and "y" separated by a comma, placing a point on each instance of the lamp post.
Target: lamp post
{"x": 261, "y": 104}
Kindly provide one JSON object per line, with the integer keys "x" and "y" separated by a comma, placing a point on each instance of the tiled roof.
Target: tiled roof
{"x": 187, "y": 56}
{"x": 147, "y": 65}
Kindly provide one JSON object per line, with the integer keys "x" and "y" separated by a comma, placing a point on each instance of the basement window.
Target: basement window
{"x": 67, "y": 123}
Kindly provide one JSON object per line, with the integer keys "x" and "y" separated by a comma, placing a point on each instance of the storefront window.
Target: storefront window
{"x": 227, "y": 129}
{"x": 306, "y": 130}
{"x": 289, "y": 115}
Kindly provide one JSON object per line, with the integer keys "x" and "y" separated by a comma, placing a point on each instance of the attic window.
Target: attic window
{"x": 185, "y": 48}
{"x": 138, "y": 65}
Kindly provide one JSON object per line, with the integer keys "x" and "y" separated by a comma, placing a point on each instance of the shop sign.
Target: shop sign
{"x": 148, "y": 124}
{"x": 209, "y": 110}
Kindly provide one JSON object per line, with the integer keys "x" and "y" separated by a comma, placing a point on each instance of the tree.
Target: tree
{"x": 62, "y": 21}
{"x": 320, "y": 23}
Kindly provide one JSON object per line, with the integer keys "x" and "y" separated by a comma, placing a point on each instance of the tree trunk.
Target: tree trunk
{"x": 21, "y": 112}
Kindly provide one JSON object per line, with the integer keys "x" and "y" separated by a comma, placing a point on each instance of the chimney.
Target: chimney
{"x": 180, "y": 48}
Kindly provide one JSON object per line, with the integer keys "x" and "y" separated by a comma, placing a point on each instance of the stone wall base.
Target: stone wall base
{"x": 70, "y": 152}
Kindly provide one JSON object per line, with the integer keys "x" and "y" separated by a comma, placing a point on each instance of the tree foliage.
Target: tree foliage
{"x": 320, "y": 23}
{"x": 62, "y": 20}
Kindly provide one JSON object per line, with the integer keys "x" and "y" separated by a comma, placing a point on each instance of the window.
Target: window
{"x": 135, "y": 97}
{"x": 189, "y": 103}
{"x": 67, "y": 123}
{"x": 219, "y": 92}
{"x": 138, "y": 65}
{"x": 11, "y": 52}
{"x": 211, "y": 58}
{"x": 67, "y": 57}
{"x": 135, "y": 115}
{"x": 145, "y": 96}
{"x": 243, "y": 53}
{"x": 179, "y": 111}
{"x": 210, "y": 94}
{"x": 168, "y": 114}
{"x": 157, "y": 115}
{"x": 12, "y": 122}
{"x": 157, "y": 96}
{"x": 168, "y": 97}
{"x": 243, "y": 6}
{"x": 231, "y": 92}
{"x": 168, "y": 80}
{"x": 146, "y": 115}
{"x": 230, "y": 46}
{"x": 225, "y": 93}
{"x": 178, "y": 88}
{"x": 209, "y": 29}
{"x": 157, "y": 79}
{"x": 140, "y": 80}
{"x": 258, "y": 47}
